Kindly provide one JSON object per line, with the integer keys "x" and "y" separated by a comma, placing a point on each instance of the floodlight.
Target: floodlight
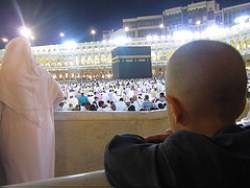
{"x": 163, "y": 37}
{"x": 5, "y": 40}
{"x": 149, "y": 38}
{"x": 161, "y": 26}
{"x": 70, "y": 43}
{"x": 126, "y": 29}
{"x": 25, "y": 32}
{"x": 198, "y": 22}
{"x": 183, "y": 35}
{"x": 121, "y": 40}
{"x": 156, "y": 37}
{"x": 32, "y": 37}
{"x": 93, "y": 32}
{"x": 61, "y": 34}
{"x": 242, "y": 19}
{"x": 213, "y": 31}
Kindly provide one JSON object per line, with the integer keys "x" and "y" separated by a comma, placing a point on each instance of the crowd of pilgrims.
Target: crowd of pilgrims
{"x": 113, "y": 95}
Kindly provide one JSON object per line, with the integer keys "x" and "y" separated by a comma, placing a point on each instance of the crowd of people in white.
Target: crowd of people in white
{"x": 114, "y": 95}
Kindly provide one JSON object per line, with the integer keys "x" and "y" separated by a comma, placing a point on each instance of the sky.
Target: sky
{"x": 77, "y": 17}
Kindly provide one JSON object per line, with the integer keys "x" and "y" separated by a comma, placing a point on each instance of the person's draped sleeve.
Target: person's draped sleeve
{"x": 1, "y": 108}
{"x": 56, "y": 92}
{"x": 132, "y": 162}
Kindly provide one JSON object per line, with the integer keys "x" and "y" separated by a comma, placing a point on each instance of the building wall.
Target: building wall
{"x": 141, "y": 26}
{"x": 94, "y": 59}
{"x": 194, "y": 16}
{"x": 229, "y": 14}
{"x": 173, "y": 19}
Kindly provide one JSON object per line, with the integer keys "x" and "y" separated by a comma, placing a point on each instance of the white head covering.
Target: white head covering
{"x": 25, "y": 87}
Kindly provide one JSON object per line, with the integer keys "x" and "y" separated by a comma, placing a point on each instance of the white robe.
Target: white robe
{"x": 121, "y": 106}
{"x": 27, "y": 97}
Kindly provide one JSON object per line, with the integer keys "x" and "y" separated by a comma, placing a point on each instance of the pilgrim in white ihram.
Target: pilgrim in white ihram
{"x": 28, "y": 96}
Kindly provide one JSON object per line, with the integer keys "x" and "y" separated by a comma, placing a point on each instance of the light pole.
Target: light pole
{"x": 198, "y": 22}
{"x": 126, "y": 29}
{"x": 61, "y": 34}
{"x": 161, "y": 26}
{"x": 26, "y": 32}
{"x": 32, "y": 37}
{"x": 198, "y": 25}
{"x": 93, "y": 33}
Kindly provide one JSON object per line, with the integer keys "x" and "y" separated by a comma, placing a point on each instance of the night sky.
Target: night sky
{"x": 76, "y": 17}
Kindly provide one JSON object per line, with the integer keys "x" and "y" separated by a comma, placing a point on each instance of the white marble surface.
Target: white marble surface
{"x": 90, "y": 179}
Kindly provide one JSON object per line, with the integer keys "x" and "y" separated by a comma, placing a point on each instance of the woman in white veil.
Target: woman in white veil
{"x": 28, "y": 94}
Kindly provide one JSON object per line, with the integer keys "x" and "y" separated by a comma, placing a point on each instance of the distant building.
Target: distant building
{"x": 195, "y": 16}
{"x": 111, "y": 34}
{"x": 227, "y": 15}
{"x": 142, "y": 26}
{"x": 106, "y": 35}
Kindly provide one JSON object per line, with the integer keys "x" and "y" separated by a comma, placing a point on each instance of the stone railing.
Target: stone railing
{"x": 91, "y": 179}
{"x": 81, "y": 137}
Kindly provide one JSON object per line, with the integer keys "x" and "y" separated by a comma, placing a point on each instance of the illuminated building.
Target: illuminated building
{"x": 195, "y": 16}
{"x": 92, "y": 60}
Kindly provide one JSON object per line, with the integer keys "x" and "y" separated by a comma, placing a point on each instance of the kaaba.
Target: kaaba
{"x": 132, "y": 62}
